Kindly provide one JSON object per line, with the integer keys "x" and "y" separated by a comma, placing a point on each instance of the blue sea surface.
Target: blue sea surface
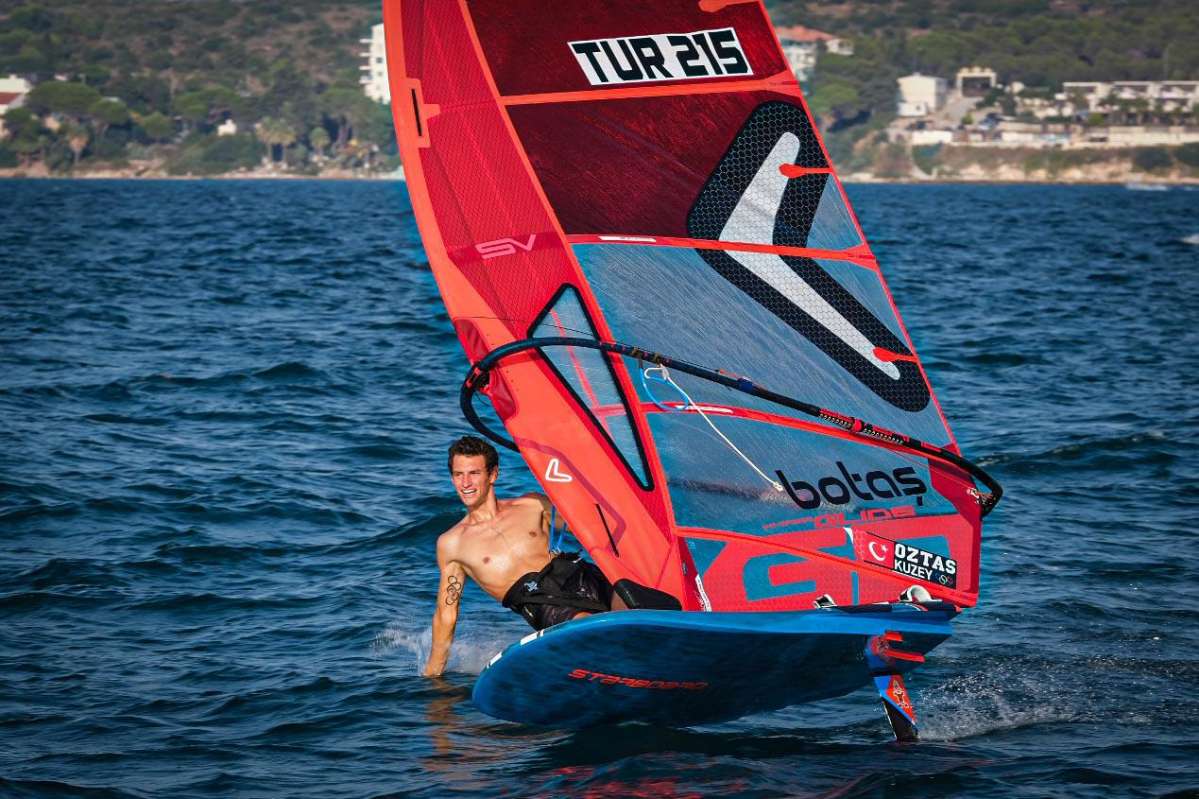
{"x": 224, "y": 408}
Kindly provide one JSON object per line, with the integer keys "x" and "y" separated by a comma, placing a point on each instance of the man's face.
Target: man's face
{"x": 472, "y": 480}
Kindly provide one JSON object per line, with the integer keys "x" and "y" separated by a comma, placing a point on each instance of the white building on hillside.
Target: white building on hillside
{"x": 920, "y": 95}
{"x": 1164, "y": 95}
{"x": 12, "y": 95}
{"x": 802, "y": 45}
{"x": 975, "y": 81}
{"x": 931, "y": 136}
{"x": 15, "y": 85}
{"x": 374, "y": 79}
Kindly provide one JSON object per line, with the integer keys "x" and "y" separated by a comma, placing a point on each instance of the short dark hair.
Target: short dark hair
{"x": 473, "y": 445}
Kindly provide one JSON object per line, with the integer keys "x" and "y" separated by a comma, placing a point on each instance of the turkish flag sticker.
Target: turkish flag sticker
{"x": 873, "y": 549}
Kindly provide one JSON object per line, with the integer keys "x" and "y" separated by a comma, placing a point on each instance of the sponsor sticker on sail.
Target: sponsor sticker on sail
{"x": 664, "y": 56}
{"x": 905, "y": 559}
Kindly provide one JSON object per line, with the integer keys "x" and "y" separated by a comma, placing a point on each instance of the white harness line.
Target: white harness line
{"x": 691, "y": 406}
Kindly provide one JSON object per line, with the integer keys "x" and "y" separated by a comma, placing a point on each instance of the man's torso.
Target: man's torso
{"x": 497, "y": 552}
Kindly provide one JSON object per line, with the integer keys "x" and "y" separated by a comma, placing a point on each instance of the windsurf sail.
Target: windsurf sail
{"x": 666, "y": 297}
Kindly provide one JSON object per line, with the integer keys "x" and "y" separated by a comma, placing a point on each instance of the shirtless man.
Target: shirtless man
{"x": 503, "y": 545}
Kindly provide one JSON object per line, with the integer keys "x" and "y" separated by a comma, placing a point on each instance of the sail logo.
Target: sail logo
{"x": 772, "y": 187}
{"x": 905, "y": 559}
{"x": 636, "y": 682}
{"x": 843, "y": 490}
{"x": 554, "y": 473}
{"x": 505, "y": 246}
{"x": 713, "y": 53}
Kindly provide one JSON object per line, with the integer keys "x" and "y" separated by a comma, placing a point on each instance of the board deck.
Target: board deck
{"x": 682, "y": 668}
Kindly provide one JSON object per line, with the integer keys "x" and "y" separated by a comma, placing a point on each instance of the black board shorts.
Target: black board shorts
{"x": 566, "y": 587}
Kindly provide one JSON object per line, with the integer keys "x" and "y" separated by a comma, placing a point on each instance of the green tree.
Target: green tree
{"x": 835, "y": 98}
{"x": 291, "y": 94}
{"x": 142, "y": 92}
{"x": 62, "y": 97}
{"x": 377, "y": 127}
{"x": 112, "y": 146}
{"x": 157, "y": 127}
{"x": 276, "y": 133}
{"x": 29, "y": 60}
{"x": 76, "y": 137}
{"x": 208, "y": 106}
{"x": 192, "y": 108}
{"x": 108, "y": 111}
{"x": 159, "y": 60}
{"x": 318, "y": 137}
{"x": 13, "y": 41}
{"x": 223, "y": 102}
{"x": 95, "y": 75}
{"x": 345, "y": 109}
{"x": 214, "y": 155}
{"x": 29, "y": 147}
{"x": 32, "y": 17}
{"x": 296, "y": 156}
{"x": 20, "y": 122}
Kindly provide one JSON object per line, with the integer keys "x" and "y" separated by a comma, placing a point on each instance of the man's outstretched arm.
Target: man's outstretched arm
{"x": 445, "y": 616}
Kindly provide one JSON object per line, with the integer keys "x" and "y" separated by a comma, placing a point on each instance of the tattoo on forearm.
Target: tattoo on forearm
{"x": 453, "y": 591}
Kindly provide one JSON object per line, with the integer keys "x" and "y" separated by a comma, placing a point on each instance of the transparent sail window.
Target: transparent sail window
{"x": 590, "y": 377}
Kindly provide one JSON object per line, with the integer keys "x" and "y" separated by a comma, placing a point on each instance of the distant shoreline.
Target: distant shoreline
{"x": 856, "y": 179}
{"x": 146, "y": 174}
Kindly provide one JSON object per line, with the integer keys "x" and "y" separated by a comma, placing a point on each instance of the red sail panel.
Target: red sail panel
{"x": 500, "y": 259}
{"x": 648, "y": 173}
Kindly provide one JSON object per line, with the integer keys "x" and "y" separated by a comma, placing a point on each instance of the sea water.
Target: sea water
{"x": 224, "y": 408}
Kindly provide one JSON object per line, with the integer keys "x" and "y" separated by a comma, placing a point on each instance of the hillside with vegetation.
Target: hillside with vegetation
{"x": 1040, "y": 43}
{"x": 143, "y": 86}
{"x": 150, "y": 82}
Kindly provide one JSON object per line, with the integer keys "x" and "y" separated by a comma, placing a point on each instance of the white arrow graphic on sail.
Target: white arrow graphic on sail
{"x": 554, "y": 473}
{"x": 753, "y": 221}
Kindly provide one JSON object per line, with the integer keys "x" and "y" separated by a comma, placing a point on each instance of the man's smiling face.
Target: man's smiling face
{"x": 472, "y": 480}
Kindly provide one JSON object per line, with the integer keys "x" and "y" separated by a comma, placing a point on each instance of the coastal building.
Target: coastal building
{"x": 374, "y": 79}
{"x": 1104, "y": 96}
{"x": 975, "y": 81}
{"x": 1010, "y": 133}
{"x": 920, "y": 95}
{"x": 1042, "y": 107}
{"x": 12, "y": 95}
{"x": 802, "y": 46}
{"x": 15, "y": 85}
{"x": 930, "y": 136}
{"x": 1141, "y": 136}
